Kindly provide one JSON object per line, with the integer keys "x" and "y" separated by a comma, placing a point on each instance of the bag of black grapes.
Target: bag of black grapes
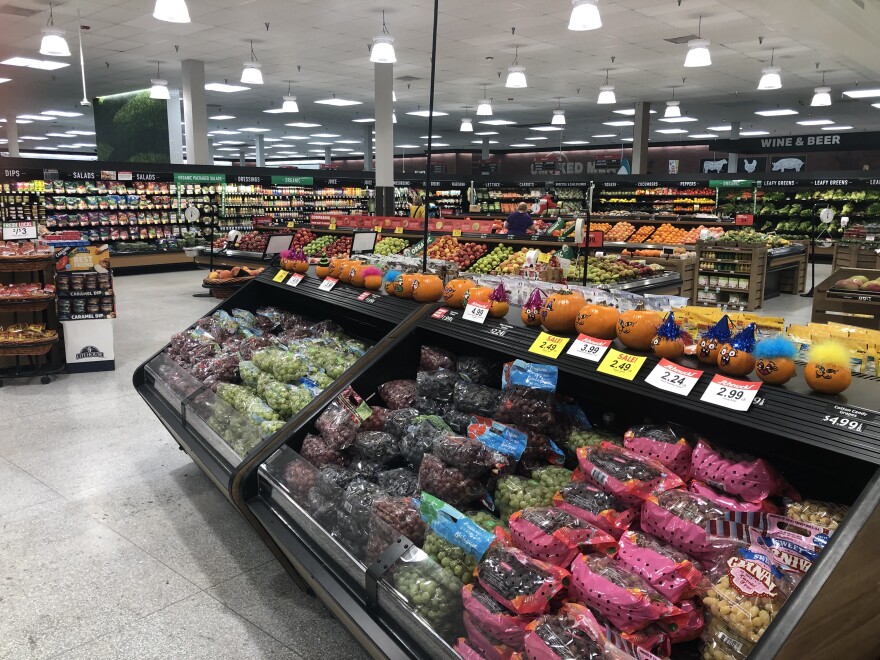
{"x": 529, "y": 395}
{"x": 341, "y": 420}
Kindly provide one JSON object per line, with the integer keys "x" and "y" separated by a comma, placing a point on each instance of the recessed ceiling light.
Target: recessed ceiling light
{"x": 781, "y": 112}
{"x": 272, "y": 140}
{"x": 295, "y": 137}
{"x": 32, "y": 137}
{"x": 348, "y": 141}
{"x": 61, "y": 113}
{"x": 425, "y": 113}
{"x": 487, "y": 141}
{"x": 90, "y": 145}
{"x": 303, "y": 124}
{"x": 705, "y": 136}
{"x": 225, "y": 88}
{"x": 251, "y": 129}
{"x": 626, "y": 139}
{"x": 364, "y": 120}
{"x": 345, "y": 149}
{"x": 36, "y": 117}
{"x": 576, "y": 142}
{"x": 523, "y": 144}
{"x": 3, "y": 80}
{"x": 406, "y": 146}
{"x": 670, "y": 131}
{"x": 338, "y": 102}
{"x": 605, "y": 135}
{"x": 230, "y": 142}
{"x": 275, "y": 111}
{"x": 45, "y": 65}
{"x": 497, "y": 122}
{"x": 677, "y": 120}
{"x": 630, "y": 112}
{"x": 816, "y": 122}
{"x": 719, "y": 128}
{"x": 227, "y": 149}
{"x": 837, "y": 127}
{"x": 619, "y": 122}
{"x": 221, "y": 117}
{"x": 19, "y": 120}
{"x": 321, "y": 144}
{"x": 59, "y": 135}
{"x": 80, "y": 132}
{"x": 853, "y": 93}
{"x": 487, "y": 133}
{"x": 325, "y": 135}
{"x": 439, "y": 144}
{"x": 46, "y": 148}
{"x": 357, "y": 153}
{"x": 536, "y": 137}
{"x": 433, "y": 137}
{"x": 875, "y": 105}
{"x": 226, "y": 132}
{"x": 68, "y": 146}
{"x": 753, "y": 133}
{"x": 546, "y": 129}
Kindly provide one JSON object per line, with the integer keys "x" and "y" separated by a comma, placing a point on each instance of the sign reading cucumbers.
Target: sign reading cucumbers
{"x": 199, "y": 178}
{"x": 293, "y": 180}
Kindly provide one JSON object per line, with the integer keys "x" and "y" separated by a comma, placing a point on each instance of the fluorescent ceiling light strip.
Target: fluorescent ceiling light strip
{"x": 781, "y": 112}
{"x": 338, "y": 102}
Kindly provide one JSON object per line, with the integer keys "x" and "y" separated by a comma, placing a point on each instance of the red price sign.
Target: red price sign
{"x": 745, "y": 219}
{"x": 596, "y": 239}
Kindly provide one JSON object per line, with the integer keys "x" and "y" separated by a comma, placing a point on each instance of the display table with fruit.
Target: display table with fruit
{"x": 850, "y": 296}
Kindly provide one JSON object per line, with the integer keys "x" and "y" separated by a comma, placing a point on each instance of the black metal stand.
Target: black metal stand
{"x": 430, "y": 137}
{"x": 210, "y": 267}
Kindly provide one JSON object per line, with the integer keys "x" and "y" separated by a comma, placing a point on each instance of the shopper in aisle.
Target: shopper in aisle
{"x": 519, "y": 221}
{"x": 417, "y": 208}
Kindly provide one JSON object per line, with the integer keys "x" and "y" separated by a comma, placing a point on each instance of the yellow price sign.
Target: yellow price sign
{"x": 280, "y": 275}
{"x": 377, "y": 229}
{"x": 544, "y": 257}
{"x": 332, "y": 227}
{"x": 456, "y": 232}
{"x": 622, "y": 365}
{"x": 548, "y": 345}
{"x": 291, "y": 224}
{"x": 398, "y": 230}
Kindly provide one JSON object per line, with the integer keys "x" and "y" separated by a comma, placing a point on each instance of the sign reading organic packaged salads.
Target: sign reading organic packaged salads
{"x": 199, "y": 178}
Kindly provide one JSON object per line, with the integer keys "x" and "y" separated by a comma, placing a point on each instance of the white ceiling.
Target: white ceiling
{"x": 329, "y": 40}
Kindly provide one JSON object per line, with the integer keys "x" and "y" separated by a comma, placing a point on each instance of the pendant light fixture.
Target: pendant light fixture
{"x": 698, "y": 50}
{"x": 821, "y": 95}
{"x": 672, "y": 107}
{"x": 382, "y": 51}
{"x": 484, "y": 108}
{"x": 467, "y": 124}
{"x": 53, "y": 43}
{"x": 252, "y": 74}
{"x": 516, "y": 74}
{"x": 770, "y": 78}
{"x": 606, "y": 92}
{"x": 584, "y": 15}
{"x": 289, "y": 104}
{"x": 159, "y": 89}
{"x": 558, "y": 115}
{"x": 171, "y": 11}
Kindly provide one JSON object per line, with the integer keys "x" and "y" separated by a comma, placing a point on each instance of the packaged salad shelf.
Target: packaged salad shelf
{"x": 333, "y": 501}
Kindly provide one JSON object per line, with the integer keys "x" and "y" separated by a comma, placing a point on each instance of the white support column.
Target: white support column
{"x": 211, "y": 149}
{"x": 241, "y": 158}
{"x": 195, "y": 112}
{"x": 733, "y": 157}
{"x": 368, "y": 147}
{"x": 485, "y": 153}
{"x": 12, "y": 133}
{"x": 259, "y": 145}
{"x": 327, "y": 159}
{"x": 175, "y": 134}
{"x": 640, "y": 137}
{"x": 383, "y": 91}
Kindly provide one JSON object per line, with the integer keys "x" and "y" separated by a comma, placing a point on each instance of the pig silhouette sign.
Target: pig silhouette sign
{"x": 787, "y": 164}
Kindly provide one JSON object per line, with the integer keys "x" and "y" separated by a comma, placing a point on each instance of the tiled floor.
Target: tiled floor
{"x": 112, "y": 543}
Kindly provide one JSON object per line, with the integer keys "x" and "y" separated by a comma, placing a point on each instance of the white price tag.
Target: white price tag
{"x": 589, "y": 348}
{"x": 673, "y": 377}
{"x": 295, "y": 279}
{"x": 328, "y": 284}
{"x": 729, "y": 393}
{"x": 476, "y": 311}
{"x": 13, "y": 231}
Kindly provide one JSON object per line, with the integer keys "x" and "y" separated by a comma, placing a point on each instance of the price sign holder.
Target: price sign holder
{"x": 589, "y": 348}
{"x": 440, "y": 313}
{"x": 328, "y": 284}
{"x": 332, "y": 226}
{"x": 849, "y": 418}
{"x": 621, "y": 365}
{"x": 671, "y": 377}
{"x": 476, "y": 311}
{"x": 548, "y": 345}
{"x": 456, "y": 232}
{"x": 730, "y": 393}
{"x": 295, "y": 279}
{"x": 280, "y": 275}
{"x": 398, "y": 230}
{"x": 24, "y": 229}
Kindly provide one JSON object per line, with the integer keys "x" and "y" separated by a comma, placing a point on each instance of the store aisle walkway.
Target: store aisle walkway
{"x": 112, "y": 543}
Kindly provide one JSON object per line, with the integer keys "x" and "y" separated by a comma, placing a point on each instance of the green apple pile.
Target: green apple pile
{"x": 317, "y": 247}
{"x": 391, "y": 245}
{"x": 488, "y": 263}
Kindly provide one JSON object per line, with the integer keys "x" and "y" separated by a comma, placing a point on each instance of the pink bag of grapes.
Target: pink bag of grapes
{"x": 668, "y": 444}
{"x": 625, "y": 474}
{"x": 593, "y": 505}
{"x": 626, "y": 600}
{"x": 679, "y": 518}
{"x": 729, "y": 502}
{"x": 495, "y": 619}
{"x": 492, "y": 649}
{"x": 752, "y": 479}
{"x": 572, "y": 634}
{"x": 670, "y": 572}
{"x": 557, "y": 537}
{"x": 689, "y": 629}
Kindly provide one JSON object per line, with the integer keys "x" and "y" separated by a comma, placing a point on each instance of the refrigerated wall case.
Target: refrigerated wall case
{"x": 829, "y": 614}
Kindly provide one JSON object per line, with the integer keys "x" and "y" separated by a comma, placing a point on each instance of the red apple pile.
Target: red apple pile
{"x": 449, "y": 248}
{"x": 341, "y": 247}
{"x": 253, "y": 241}
{"x": 301, "y": 238}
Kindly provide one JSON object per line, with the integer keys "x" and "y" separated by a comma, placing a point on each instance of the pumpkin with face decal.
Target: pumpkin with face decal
{"x": 827, "y": 369}
{"x": 737, "y": 357}
{"x": 711, "y": 341}
{"x": 774, "y": 360}
{"x": 667, "y": 343}
{"x": 530, "y": 314}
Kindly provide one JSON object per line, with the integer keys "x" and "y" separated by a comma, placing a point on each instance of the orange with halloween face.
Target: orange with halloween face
{"x": 735, "y": 361}
{"x": 774, "y": 371}
{"x": 707, "y": 350}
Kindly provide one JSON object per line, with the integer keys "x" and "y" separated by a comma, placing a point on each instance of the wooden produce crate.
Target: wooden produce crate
{"x": 855, "y": 255}
{"x": 714, "y": 262}
{"x": 860, "y": 308}
{"x": 687, "y": 268}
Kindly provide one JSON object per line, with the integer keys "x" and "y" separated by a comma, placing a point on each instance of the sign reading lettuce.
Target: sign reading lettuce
{"x": 293, "y": 180}
{"x": 199, "y": 178}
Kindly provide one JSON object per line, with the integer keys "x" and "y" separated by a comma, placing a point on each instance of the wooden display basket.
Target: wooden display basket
{"x": 222, "y": 289}
{"x": 861, "y": 308}
{"x": 856, "y": 255}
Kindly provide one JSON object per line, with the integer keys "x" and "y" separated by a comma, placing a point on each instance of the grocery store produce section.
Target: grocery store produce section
{"x": 549, "y": 474}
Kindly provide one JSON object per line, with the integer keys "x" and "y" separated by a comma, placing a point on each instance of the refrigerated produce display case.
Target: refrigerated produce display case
{"x": 368, "y": 563}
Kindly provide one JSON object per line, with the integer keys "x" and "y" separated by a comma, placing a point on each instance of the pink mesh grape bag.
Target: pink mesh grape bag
{"x": 691, "y": 627}
{"x": 679, "y": 518}
{"x": 668, "y": 444}
{"x": 626, "y": 600}
{"x": 520, "y": 583}
{"x": 572, "y": 634}
{"x": 492, "y": 617}
{"x": 729, "y": 502}
{"x": 671, "y": 572}
{"x": 491, "y": 649}
{"x": 625, "y": 474}
{"x": 557, "y": 537}
{"x": 592, "y": 504}
{"x": 752, "y": 479}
